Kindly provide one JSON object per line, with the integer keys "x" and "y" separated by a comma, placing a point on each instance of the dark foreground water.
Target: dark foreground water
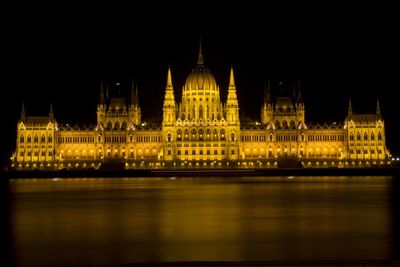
{"x": 52, "y": 222}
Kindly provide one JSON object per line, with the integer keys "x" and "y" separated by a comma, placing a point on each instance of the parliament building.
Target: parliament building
{"x": 201, "y": 130}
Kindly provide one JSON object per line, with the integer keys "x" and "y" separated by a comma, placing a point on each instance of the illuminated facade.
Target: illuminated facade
{"x": 200, "y": 131}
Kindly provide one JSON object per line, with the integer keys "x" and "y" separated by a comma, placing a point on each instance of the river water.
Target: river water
{"x": 116, "y": 221}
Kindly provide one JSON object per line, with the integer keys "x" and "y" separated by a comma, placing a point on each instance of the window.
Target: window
{"x": 222, "y": 152}
{"x": 169, "y": 137}
{"x": 193, "y": 152}
{"x": 21, "y": 154}
{"x": 365, "y": 136}
{"x": 43, "y": 153}
{"x": 43, "y": 139}
{"x": 379, "y": 136}
{"x": 358, "y": 136}
{"x": 21, "y": 139}
{"x": 372, "y": 136}
{"x": 208, "y": 152}
{"x": 179, "y": 152}
{"x": 215, "y": 152}
{"x": 351, "y": 137}
{"x": 29, "y": 139}
{"x": 169, "y": 152}
{"x": 36, "y": 139}
{"x": 232, "y": 152}
{"x": 232, "y": 137}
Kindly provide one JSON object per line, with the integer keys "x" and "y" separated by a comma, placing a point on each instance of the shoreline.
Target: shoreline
{"x": 13, "y": 174}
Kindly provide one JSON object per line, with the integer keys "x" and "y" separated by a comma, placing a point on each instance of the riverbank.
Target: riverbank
{"x": 202, "y": 172}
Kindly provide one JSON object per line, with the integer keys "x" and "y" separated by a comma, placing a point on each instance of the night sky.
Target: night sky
{"x": 337, "y": 52}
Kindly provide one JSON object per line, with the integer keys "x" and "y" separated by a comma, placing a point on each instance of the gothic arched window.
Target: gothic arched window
{"x": 232, "y": 137}
{"x": 365, "y": 136}
{"x": 21, "y": 139}
{"x": 36, "y": 139}
{"x": 169, "y": 137}
{"x": 358, "y": 136}
{"x": 29, "y": 139}
{"x": 50, "y": 138}
{"x": 43, "y": 139}
{"x": 379, "y": 136}
{"x": 372, "y": 136}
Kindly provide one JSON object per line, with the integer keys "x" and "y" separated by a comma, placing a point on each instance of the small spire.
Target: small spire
{"x": 299, "y": 97}
{"x": 268, "y": 97}
{"x": 107, "y": 93}
{"x": 169, "y": 79}
{"x": 133, "y": 92}
{"x": 200, "y": 59}
{"x": 265, "y": 93}
{"x": 232, "y": 79}
{"x": 23, "y": 112}
{"x": 136, "y": 96}
{"x": 102, "y": 100}
{"x": 350, "y": 111}
{"x": 378, "y": 109}
{"x": 51, "y": 113}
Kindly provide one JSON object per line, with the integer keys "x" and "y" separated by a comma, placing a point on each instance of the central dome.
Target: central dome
{"x": 201, "y": 79}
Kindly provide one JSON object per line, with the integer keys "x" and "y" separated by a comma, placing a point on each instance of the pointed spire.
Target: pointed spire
{"x": 350, "y": 111}
{"x": 299, "y": 97}
{"x": 23, "y": 112}
{"x": 102, "y": 100}
{"x": 133, "y": 97}
{"x": 136, "y": 96}
{"x": 169, "y": 90}
{"x": 51, "y": 113}
{"x": 378, "y": 109}
{"x": 232, "y": 79}
{"x": 169, "y": 79}
{"x": 200, "y": 59}
{"x": 107, "y": 93}
{"x": 268, "y": 97}
{"x": 265, "y": 93}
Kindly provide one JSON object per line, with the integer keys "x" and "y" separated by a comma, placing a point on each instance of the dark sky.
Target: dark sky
{"x": 59, "y": 54}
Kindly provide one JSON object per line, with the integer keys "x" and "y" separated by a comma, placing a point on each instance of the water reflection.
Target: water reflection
{"x": 108, "y": 221}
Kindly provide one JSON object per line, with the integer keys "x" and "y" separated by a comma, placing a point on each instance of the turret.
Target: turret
{"x": 267, "y": 107}
{"x": 102, "y": 98}
{"x": 350, "y": 110}
{"x": 51, "y": 113}
{"x": 232, "y": 105}
{"x": 378, "y": 109}
{"x": 101, "y": 107}
{"x": 169, "y": 102}
{"x": 23, "y": 112}
{"x": 300, "y": 113}
{"x": 169, "y": 116}
{"x": 134, "y": 108}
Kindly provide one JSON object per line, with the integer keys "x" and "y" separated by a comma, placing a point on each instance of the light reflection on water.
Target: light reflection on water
{"x": 125, "y": 220}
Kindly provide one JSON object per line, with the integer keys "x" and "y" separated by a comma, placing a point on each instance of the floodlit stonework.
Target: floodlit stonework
{"x": 200, "y": 131}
